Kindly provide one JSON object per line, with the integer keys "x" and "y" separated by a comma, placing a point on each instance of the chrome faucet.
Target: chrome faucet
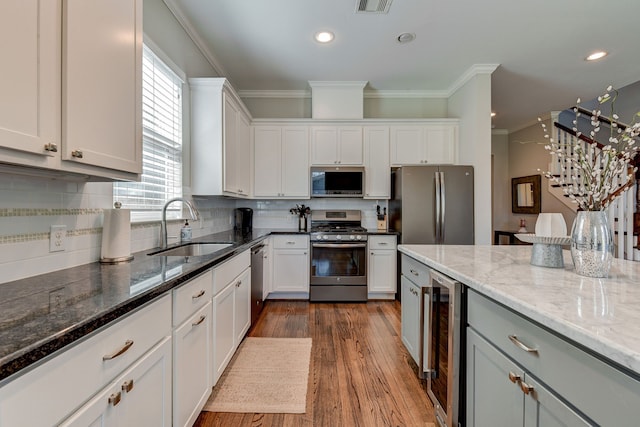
{"x": 163, "y": 226}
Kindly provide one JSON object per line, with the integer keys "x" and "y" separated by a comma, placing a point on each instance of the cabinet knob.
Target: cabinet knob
{"x": 514, "y": 378}
{"x": 51, "y": 147}
{"x": 115, "y": 398}
{"x": 127, "y": 386}
{"x": 77, "y": 154}
{"x": 526, "y": 388}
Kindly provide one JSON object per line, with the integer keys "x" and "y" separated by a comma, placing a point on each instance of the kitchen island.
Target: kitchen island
{"x": 573, "y": 322}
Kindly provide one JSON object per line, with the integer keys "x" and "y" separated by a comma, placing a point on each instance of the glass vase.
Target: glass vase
{"x": 591, "y": 244}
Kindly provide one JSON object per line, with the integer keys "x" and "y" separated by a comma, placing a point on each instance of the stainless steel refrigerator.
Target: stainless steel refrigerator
{"x": 432, "y": 204}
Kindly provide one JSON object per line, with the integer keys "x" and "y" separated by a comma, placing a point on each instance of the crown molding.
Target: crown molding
{"x": 416, "y": 94}
{"x": 274, "y": 93}
{"x": 177, "y": 12}
{"x": 473, "y": 71}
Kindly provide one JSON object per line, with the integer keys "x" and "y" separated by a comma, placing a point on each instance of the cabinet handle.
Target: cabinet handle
{"x": 199, "y": 321}
{"x": 526, "y": 388}
{"x": 77, "y": 154}
{"x": 291, "y": 243}
{"x": 127, "y": 345}
{"x": 51, "y": 147}
{"x": 514, "y": 339}
{"x": 415, "y": 273}
{"x": 199, "y": 294}
{"x": 514, "y": 378}
{"x": 238, "y": 283}
{"x": 127, "y": 386}
{"x": 114, "y": 399}
{"x": 383, "y": 243}
{"x": 304, "y": 253}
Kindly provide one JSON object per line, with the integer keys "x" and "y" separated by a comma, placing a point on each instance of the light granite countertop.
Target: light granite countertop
{"x": 603, "y": 315}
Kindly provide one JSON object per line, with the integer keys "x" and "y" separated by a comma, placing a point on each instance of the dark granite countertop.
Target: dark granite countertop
{"x": 42, "y": 314}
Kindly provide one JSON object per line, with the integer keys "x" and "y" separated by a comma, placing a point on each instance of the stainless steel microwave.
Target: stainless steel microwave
{"x": 337, "y": 181}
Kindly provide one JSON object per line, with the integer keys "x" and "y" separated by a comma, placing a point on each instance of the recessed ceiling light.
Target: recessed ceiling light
{"x": 406, "y": 37}
{"x": 324, "y": 36}
{"x": 596, "y": 55}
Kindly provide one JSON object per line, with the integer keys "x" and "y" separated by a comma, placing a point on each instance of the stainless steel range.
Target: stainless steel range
{"x": 338, "y": 256}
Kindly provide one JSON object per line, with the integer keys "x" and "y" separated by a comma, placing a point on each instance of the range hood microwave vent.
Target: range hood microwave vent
{"x": 373, "y": 6}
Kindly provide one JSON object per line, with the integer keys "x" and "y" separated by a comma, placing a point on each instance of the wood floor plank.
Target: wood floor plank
{"x": 360, "y": 372}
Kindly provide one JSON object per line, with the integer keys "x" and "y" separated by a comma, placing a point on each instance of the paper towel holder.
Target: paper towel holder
{"x": 116, "y": 260}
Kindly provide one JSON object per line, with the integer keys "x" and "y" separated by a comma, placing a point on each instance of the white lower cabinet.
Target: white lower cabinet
{"x": 231, "y": 309}
{"x": 141, "y": 396}
{"x": 192, "y": 365}
{"x": 290, "y": 266}
{"x": 382, "y": 267}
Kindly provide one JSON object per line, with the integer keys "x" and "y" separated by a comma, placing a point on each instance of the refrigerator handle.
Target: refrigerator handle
{"x": 443, "y": 205}
{"x": 438, "y": 208}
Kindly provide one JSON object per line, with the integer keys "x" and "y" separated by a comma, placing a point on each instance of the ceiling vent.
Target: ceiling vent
{"x": 372, "y": 6}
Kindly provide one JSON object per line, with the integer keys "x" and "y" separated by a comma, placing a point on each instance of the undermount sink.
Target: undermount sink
{"x": 193, "y": 249}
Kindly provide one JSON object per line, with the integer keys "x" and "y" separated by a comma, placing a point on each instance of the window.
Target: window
{"x": 161, "y": 178}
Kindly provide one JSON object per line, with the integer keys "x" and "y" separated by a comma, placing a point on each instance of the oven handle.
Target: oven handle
{"x": 338, "y": 245}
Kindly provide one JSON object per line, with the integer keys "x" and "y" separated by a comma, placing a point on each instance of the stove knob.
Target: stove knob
{"x": 338, "y": 237}
{"x": 359, "y": 237}
{"x": 325, "y": 237}
{"x": 352, "y": 237}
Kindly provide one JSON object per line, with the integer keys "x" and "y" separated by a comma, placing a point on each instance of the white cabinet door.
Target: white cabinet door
{"x": 230, "y": 148}
{"x": 440, "y": 144}
{"x": 382, "y": 271}
{"x": 30, "y": 32}
{"x": 192, "y": 365}
{"x": 268, "y": 156}
{"x": 350, "y": 151}
{"x": 243, "y": 164}
{"x": 324, "y": 145}
{"x": 407, "y": 145}
{"x": 290, "y": 270}
{"x": 101, "y": 83}
{"x": 376, "y": 163}
{"x": 336, "y": 145}
{"x": 242, "y": 312}
{"x": 295, "y": 162}
{"x": 410, "y": 318}
{"x": 223, "y": 335}
{"x": 140, "y": 396}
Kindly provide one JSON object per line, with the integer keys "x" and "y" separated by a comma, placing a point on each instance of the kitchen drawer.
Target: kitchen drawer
{"x": 229, "y": 270}
{"x": 191, "y": 296}
{"x": 382, "y": 242}
{"x": 596, "y": 388}
{"x": 66, "y": 381}
{"x": 291, "y": 241}
{"x": 415, "y": 271}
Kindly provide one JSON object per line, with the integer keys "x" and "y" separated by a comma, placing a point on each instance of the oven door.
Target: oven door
{"x": 338, "y": 264}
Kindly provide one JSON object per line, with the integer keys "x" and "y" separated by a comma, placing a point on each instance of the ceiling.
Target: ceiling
{"x": 539, "y": 46}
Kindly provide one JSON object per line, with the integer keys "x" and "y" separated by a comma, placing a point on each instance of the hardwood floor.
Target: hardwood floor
{"x": 360, "y": 374}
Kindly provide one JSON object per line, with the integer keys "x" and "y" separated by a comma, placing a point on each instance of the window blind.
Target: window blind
{"x": 161, "y": 178}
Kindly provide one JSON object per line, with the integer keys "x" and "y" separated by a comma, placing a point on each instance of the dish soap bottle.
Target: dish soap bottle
{"x": 185, "y": 232}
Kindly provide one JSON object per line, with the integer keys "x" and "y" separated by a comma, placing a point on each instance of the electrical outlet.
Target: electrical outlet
{"x": 58, "y": 238}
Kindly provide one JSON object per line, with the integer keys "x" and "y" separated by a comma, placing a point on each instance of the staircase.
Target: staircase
{"x": 623, "y": 212}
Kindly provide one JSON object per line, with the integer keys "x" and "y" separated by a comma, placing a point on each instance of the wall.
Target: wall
{"x": 527, "y": 156}
{"x": 501, "y": 181}
{"x": 29, "y": 206}
{"x": 472, "y": 104}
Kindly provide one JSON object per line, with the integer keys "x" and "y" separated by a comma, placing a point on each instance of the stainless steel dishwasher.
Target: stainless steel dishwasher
{"x": 257, "y": 254}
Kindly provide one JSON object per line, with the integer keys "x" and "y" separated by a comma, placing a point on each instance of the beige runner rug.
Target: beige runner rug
{"x": 267, "y": 375}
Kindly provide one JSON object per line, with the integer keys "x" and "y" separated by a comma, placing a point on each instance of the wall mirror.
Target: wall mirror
{"x": 525, "y": 194}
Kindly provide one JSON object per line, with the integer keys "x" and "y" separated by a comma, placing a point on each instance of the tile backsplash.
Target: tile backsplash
{"x": 30, "y": 206}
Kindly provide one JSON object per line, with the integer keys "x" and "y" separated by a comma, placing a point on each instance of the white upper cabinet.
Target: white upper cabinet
{"x": 281, "y": 159}
{"x": 71, "y": 100}
{"x": 435, "y": 143}
{"x": 101, "y": 85}
{"x": 336, "y": 145}
{"x": 30, "y": 79}
{"x": 376, "y": 162}
{"x": 220, "y": 139}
